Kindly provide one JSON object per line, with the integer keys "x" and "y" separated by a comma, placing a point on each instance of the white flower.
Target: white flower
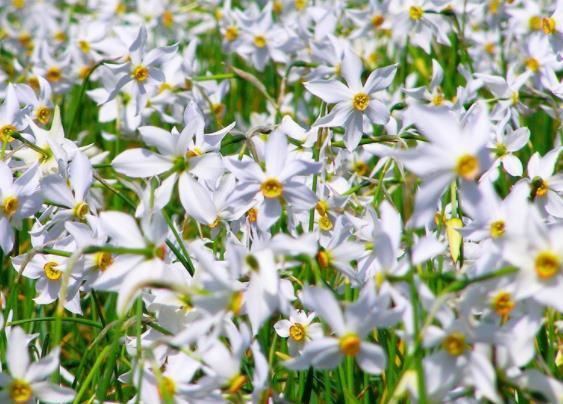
{"x": 27, "y": 381}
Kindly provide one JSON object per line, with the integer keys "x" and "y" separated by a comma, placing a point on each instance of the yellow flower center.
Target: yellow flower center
{"x": 438, "y": 100}
{"x": 535, "y": 23}
{"x": 10, "y": 206}
{"x": 84, "y": 46}
{"x": 377, "y": 20}
{"x": 18, "y": 4}
{"x": 195, "y": 152}
{"x": 497, "y": 228}
{"x": 43, "y": 115}
{"x": 360, "y": 168}
{"x": 236, "y": 383}
{"x": 325, "y": 223}
{"x": 260, "y": 41}
{"x": 324, "y": 258}
{"x": 540, "y": 187}
{"x": 235, "y": 304}
{"x": 231, "y": 33}
{"x": 120, "y": 8}
{"x": 168, "y": 385}
{"x": 300, "y": 4}
{"x": 297, "y": 332}
{"x": 322, "y": 207}
{"x": 217, "y": 108}
{"x": 84, "y": 71}
{"x": 271, "y": 188}
{"x": 59, "y": 36}
{"x": 54, "y": 74}
{"x": 103, "y": 260}
{"x": 547, "y": 264}
{"x": 490, "y": 48}
{"x": 277, "y": 6}
{"x": 20, "y": 391}
{"x": 51, "y": 271}
{"x": 503, "y": 304}
{"x": 252, "y": 215}
{"x": 454, "y": 344}
{"x": 494, "y": 6}
{"x": 467, "y": 167}
{"x": 140, "y": 73}
{"x": 533, "y": 64}
{"x": 33, "y": 82}
{"x": 167, "y": 19}
{"x": 6, "y": 132}
{"x": 548, "y": 25}
{"x": 350, "y": 344}
{"x": 81, "y": 209}
{"x": 360, "y": 101}
{"x": 416, "y": 13}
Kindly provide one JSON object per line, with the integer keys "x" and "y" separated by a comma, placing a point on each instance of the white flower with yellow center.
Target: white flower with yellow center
{"x": 25, "y": 382}
{"x": 538, "y": 254}
{"x": 276, "y": 185}
{"x": 141, "y": 70}
{"x": 456, "y": 149}
{"x": 355, "y": 103}
{"x": 299, "y": 329}
{"x": 350, "y": 327}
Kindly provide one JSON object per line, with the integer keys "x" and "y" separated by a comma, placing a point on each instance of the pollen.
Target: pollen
{"x": 19, "y": 4}
{"x": 547, "y": 264}
{"x": 20, "y": 391}
{"x": 271, "y": 188}
{"x": 467, "y": 167}
{"x": 548, "y": 25}
{"x": 503, "y": 304}
{"x": 140, "y": 73}
{"x": 51, "y": 271}
{"x": 416, "y": 13}
{"x": 497, "y": 228}
{"x": 515, "y": 97}
{"x": 10, "y": 206}
{"x": 297, "y": 332}
{"x": 195, "y": 152}
{"x": 81, "y": 209}
{"x": 43, "y": 115}
{"x": 103, "y": 260}
{"x": 350, "y": 344}
{"x": 454, "y": 344}
{"x": 6, "y": 133}
{"x": 532, "y": 64}
{"x": 84, "y": 46}
{"x": 377, "y": 20}
{"x": 360, "y": 101}
{"x": 231, "y": 33}
{"x": 53, "y": 74}
{"x": 215, "y": 223}
{"x": 260, "y": 41}
{"x": 164, "y": 87}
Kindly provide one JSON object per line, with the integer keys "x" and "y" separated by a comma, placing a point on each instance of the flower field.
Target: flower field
{"x": 281, "y": 201}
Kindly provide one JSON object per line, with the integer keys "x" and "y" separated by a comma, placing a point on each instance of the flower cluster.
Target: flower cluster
{"x": 281, "y": 201}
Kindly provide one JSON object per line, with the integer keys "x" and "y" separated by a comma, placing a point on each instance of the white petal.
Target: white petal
{"x": 140, "y": 163}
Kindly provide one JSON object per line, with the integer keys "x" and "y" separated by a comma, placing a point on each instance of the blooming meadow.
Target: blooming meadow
{"x": 281, "y": 201}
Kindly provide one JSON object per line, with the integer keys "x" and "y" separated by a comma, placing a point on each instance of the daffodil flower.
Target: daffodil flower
{"x": 26, "y": 381}
{"x": 356, "y": 105}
